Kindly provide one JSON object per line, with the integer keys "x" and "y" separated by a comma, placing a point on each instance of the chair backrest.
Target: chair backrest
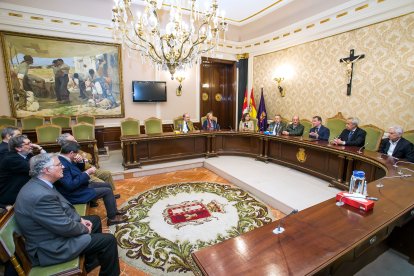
{"x": 130, "y": 126}
{"x": 31, "y": 122}
{"x": 307, "y": 126}
{"x": 409, "y": 135}
{"x": 153, "y": 126}
{"x": 8, "y": 121}
{"x": 336, "y": 125}
{"x": 254, "y": 120}
{"x": 83, "y": 131}
{"x": 85, "y": 119}
{"x": 61, "y": 120}
{"x": 373, "y": 138}
{"x": 286, "y": 121}
{"x": 48, "y": 133}
{"x": 177, "y": 122}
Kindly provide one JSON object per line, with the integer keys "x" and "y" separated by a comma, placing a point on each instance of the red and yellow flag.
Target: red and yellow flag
{"x": 252, "y": 106}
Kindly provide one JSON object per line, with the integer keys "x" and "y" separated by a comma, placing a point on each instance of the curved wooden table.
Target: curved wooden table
{"x": 324, "y": 239}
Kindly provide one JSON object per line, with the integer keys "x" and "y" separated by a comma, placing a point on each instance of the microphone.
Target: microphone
{"x": 279, "y": 229}
{"x": 172, "y": 127}
{"x": 360, "y": 149}
{"x": 380, "y": 185}
{"x": 231, "y": 129}
{"x": 195, "y": 127}
{"x": 400, "y": 161}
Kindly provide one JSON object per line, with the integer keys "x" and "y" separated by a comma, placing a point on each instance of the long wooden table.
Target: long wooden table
{"x": 324, "y": 239}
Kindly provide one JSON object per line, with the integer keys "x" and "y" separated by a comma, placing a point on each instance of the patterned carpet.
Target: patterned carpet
{"x": 168, "y": 223}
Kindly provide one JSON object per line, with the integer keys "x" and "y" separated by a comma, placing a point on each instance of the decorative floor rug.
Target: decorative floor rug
{"x": 166, "y": 224}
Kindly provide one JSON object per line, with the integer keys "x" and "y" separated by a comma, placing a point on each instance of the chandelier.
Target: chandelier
{"x": 178, "y": 45}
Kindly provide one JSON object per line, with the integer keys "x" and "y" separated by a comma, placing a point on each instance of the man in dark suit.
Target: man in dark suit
{"x": 397, "y": 146}
{"x": 295, "y": 128}
{"x": 277, "y": 126}
{"x": 75, "y": 185}
{"x": 319, "y": 131}
{"x": 352, "y": 135}
{"x": 14, "y": 168}
{"x": 187, "y": 125}
{"x": 6, "y": 134}
{"x": 54, "y": 232}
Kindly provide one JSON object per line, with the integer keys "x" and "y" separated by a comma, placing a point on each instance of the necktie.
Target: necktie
{"x": 350, "y": 135}
{"x": 276, "y": 128}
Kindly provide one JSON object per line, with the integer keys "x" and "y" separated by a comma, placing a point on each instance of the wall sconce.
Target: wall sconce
{"x": 281, "y": 90}
{"x": 180, "y": 77}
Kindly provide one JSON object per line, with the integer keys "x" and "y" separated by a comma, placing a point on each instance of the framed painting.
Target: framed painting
{"x": 48, "y": 76}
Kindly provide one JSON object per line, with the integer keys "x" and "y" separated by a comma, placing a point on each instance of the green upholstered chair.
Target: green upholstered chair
{"x": 13, "y": 245}
{"x": 307, "y": 126}
{"x": 61, "y": 120}
{"x": 254, "y": 120}
{"x": 31, "y": 122}
{"x": 85, "y": 119}
{"x": 48, "y": 133}
{"x": 286, "y": 121}
{"x": 130, "y": 126}
{"x": 177, "y": 122}
{"x": 373, "y": 138}
{"x": 8, "y": 121}
{"x": 153, "y": 126}
{"x": 83, "y": 131}
{"x": 409, "y": 135}
{"x": 336, "y": 125}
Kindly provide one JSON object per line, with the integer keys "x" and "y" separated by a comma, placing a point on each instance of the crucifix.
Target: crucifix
{"x": 349, "y": 62}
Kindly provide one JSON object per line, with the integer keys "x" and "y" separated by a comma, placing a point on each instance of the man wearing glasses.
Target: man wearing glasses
{"x": 14, "y": 168}
{"x": 54, "y": 232}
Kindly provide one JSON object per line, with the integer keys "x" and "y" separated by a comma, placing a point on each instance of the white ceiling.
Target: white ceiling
{"x": 242, "y": 12}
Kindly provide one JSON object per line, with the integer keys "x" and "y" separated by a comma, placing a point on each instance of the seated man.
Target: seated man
{"x": 209, "y": 123}
{"x": 54, "y": 232}
{"x": 99, "y": 175}
{"x": 187, "y": 125}
{"x": 397, "y": 146}
{"x": 352, "y": 135}
{"x": 277, "y": 126}
{"x": 319, "y": 131}
{"x": 295, "y": 128}
{"x": 6, "y": 134}
{"x": 14, "y": 168}
{"x": 75, "y": 186}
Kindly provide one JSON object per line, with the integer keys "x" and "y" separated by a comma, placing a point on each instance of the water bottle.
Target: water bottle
{"x": 357, "y": 184}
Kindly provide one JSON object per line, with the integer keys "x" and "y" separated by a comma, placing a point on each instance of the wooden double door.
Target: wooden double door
{"x": 218, "y": 88}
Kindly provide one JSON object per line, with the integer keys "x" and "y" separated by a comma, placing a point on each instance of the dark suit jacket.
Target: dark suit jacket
{"x": 357, "y": 139}
{"x": 4, "y": 149}
{"x": 323, "y": 133}
{"x": 282, "y": 127}
{"x": 74, "y": 183}
{"x": 403, "y": 149}
{"x": 297, "y": 131}
{"x": 14, "y": 173}
{"x": 50, "y": 224}
{"x": 214, "y": 123}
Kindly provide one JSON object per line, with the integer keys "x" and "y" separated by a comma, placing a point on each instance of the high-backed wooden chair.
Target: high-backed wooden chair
{"x": 178, "y": 122}
{"x": 31, "y": 122}
{"x": 61, "y": 120}
{"x": 254, "y": 120}
{"x": 83, "y": 131}
{"x": 307, "y": 126}
{"x": 12, "y": 248}
{"x": 8, "y": 121}
{"x": 373, "y": 138}
{"x": 85, "y": 119}
{"x": 336, "y": 125}
{"x": 48, "y": 133}
{"x": 204, "y": 118}
{"x": 286, "y": 121}
{"x": 153, "y": 126}
{"x": 409, "y": 135}
{"x": 130, "y": 126}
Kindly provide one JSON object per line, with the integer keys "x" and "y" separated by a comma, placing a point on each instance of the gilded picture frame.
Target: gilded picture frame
{"x": 48, "y": 76}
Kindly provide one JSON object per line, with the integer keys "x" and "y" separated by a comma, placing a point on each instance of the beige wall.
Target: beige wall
{"x": 383, "y": 84}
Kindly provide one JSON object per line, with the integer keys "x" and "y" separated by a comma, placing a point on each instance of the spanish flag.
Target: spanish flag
{"x": 252, "y": 107}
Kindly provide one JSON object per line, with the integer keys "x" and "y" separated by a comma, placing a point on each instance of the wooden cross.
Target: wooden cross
{"x": 349, "y": 61}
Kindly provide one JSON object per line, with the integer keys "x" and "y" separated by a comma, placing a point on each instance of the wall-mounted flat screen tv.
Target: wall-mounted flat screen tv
{"x": 149, "y": 91}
